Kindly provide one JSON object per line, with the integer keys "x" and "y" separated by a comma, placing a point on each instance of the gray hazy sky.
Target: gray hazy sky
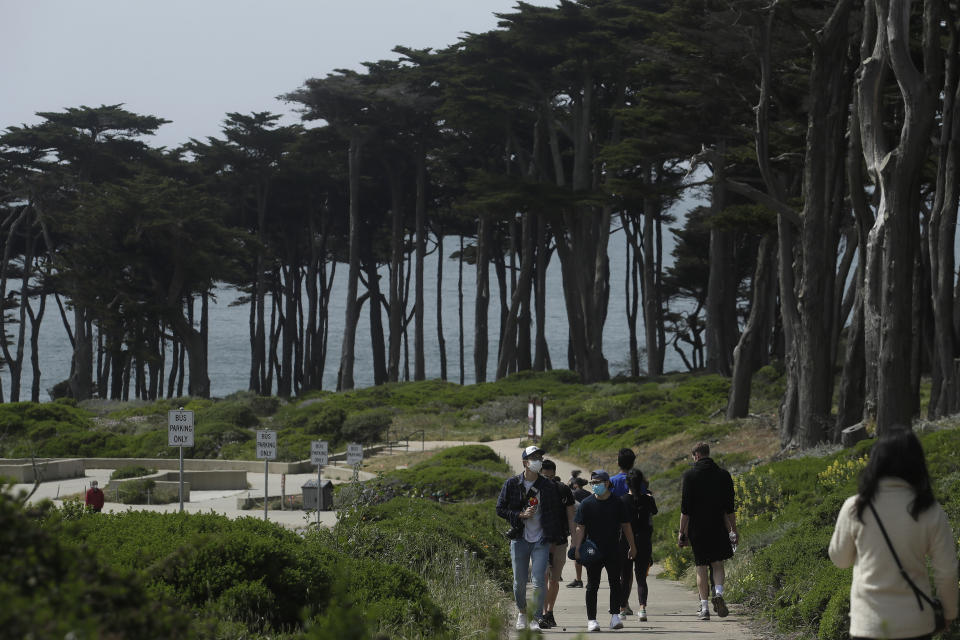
{"x": 193, "y": 61}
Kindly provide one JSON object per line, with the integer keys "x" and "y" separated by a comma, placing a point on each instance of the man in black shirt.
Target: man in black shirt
{"x": 708, "y": 524}
{"x": 601, "y": 518}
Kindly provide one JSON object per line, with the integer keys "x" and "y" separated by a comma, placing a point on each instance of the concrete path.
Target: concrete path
{"x": 223, "y": 502}
{"x": 671, "y": 606}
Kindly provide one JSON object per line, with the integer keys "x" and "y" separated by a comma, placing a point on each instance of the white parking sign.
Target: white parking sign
{"x": 318, "y": 453}
{"x": 180, "y": 428}
{"x": 266, "y": 444}
{"x": 354, "y": 453}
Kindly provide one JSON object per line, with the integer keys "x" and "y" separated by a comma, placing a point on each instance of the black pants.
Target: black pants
{"x": 611, "y": 562}
{"x": 639, "y": 567}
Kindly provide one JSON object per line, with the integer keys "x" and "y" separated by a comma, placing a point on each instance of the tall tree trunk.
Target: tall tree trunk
{"x": 396, "y": 301}
{"x": 351, "y": 308}
{"x": 752, "y": 338}
{"x": 419, "y": 366}
{"x": 377, "y": 346}
{"x": 652, "y": 297}
{"x": 851, "y": 391}
{"x": 541, "y": 355}
{"x": 825, "y": 145}
{"x": 290, "y": 296}
{"x": 632, "y": 282}
{"x": 945, "y": 387}
{"x": 481, "y": 307}
{"x": 441, "y": 340}
{"x": 460, "y": 309}
{"x": 521, "y": 292}
{"x": 895, "y": 171}
{"x": 81, "y": 368}
{"x": 721, "y": 306}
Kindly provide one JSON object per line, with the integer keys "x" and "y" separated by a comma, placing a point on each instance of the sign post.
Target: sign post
{"x": 538, "y": 419}
{"x": 180, "y": 435}
{"x": 355, "y": 457}
{"x": 318, "y": 456}
{"x": 267, "y": 451}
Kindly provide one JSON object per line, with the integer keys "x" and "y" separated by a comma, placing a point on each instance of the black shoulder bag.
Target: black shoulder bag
{"x": 940, "y": 622}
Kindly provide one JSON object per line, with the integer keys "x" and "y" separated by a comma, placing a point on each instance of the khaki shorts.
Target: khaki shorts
{"x": 558, "y": 558}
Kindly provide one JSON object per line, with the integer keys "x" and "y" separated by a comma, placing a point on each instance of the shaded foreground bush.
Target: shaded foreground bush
{"x": 400, "y": 568}
{"x": 251, "y": 576}
{"x": 53, "y": 586}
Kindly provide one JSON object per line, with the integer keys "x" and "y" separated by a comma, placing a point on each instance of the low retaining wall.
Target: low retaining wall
{"x": 248, "y": 466}
{"x": 110, "y": 491}
{"x": 22, "y": 470}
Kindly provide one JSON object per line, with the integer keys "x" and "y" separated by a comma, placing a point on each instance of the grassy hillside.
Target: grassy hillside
{"x": 442, "y": 506}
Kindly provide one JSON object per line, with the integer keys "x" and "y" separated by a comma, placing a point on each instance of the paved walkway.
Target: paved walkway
{"x": 671, "y": 606}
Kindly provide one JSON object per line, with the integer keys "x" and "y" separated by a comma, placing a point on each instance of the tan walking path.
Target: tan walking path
{"x": 671, "y": 606}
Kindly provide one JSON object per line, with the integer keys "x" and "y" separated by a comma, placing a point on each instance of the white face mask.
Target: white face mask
{"x": 534, "y": 465}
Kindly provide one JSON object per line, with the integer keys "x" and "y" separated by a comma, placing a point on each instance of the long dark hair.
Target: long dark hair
{"x": 635, "y": 481}
{"x": 897, "y": 454}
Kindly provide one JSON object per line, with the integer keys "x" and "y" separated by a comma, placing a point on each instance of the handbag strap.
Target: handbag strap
{"x": 917, "y": 591}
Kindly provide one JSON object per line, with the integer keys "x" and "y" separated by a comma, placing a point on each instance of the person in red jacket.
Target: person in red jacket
{"x": 95, "y": 498}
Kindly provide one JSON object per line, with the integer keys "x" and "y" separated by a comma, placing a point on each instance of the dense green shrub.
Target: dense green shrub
{"x": 327, "y": 420}
{"x": 55, "y": 588}
{"x": 249, "y": 571}
{"x": 130, "y": 471}
{"x": 457, "y": 473}
{"x": 367, "y": 426}
{"x": 231, "y": 413}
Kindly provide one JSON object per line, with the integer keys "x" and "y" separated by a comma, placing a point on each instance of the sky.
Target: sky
{"x": 194, "y": 61}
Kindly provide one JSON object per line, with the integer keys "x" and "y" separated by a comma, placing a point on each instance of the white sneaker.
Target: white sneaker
{"x": 521, "y": 621}
{"x": 534, "y": 626}
{"x": 642, "y": 614}
{"x": 593, "y": 625}
{"x": 615, "y": 622}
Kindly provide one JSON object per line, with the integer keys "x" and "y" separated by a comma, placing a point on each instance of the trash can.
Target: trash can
{"x": 309, "y": 489}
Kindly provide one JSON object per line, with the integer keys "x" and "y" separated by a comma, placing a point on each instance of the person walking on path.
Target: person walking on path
{"x": 600, "y": 519}
{"x": 887, "y": 532}
{"x": 94, "y": 498}
{"x": 708, "y": 524}
{"x": 641, "y": 507}
{"x": 558, "y": 552}
{"x": 626, "y": 458}
{"x": 579, "y": 495}
{"x": 531, "y": 504}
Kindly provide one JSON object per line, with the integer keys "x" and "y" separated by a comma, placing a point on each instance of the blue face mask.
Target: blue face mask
{"x": 599, "y": 489}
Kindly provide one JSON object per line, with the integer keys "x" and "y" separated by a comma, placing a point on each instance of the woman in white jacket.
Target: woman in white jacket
{"x": 897, "y": 484}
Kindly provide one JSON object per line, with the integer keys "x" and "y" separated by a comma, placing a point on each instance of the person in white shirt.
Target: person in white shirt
{"x": 895, "y": 493}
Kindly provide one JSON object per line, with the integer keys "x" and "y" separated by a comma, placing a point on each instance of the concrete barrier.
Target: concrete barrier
{"x": 22, "y": 469}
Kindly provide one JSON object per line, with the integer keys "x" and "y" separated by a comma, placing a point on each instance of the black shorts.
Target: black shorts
{"x": 708, "y": 549}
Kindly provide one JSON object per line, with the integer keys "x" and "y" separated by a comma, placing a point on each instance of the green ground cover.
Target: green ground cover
{"x": 440, "y": 509}
{"x": 385, "y": 570}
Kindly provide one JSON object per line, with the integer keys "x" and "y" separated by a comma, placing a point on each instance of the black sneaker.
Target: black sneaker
{"x": 549, "y": 618}
{"x": 720, "y": 606}
{"x": 576, "y": 584}
{"x": 544, "y": 622}
{"x": 626, "y": 611}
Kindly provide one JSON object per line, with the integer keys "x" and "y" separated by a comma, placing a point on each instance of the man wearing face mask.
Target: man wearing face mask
{"x": 600, "y": 518}
{"x": 531, "y": 504}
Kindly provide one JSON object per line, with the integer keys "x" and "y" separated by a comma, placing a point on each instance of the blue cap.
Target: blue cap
{"x": 600, "y": 474}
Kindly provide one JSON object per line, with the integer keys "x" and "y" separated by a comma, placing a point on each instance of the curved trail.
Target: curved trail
{"x": 671, "y": 606}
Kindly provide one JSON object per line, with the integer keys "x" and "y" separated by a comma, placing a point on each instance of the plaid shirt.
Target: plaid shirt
{"x": 512, "y": 501}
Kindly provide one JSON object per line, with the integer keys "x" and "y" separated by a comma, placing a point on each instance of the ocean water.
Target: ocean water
{"x": 229, "y": 347}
